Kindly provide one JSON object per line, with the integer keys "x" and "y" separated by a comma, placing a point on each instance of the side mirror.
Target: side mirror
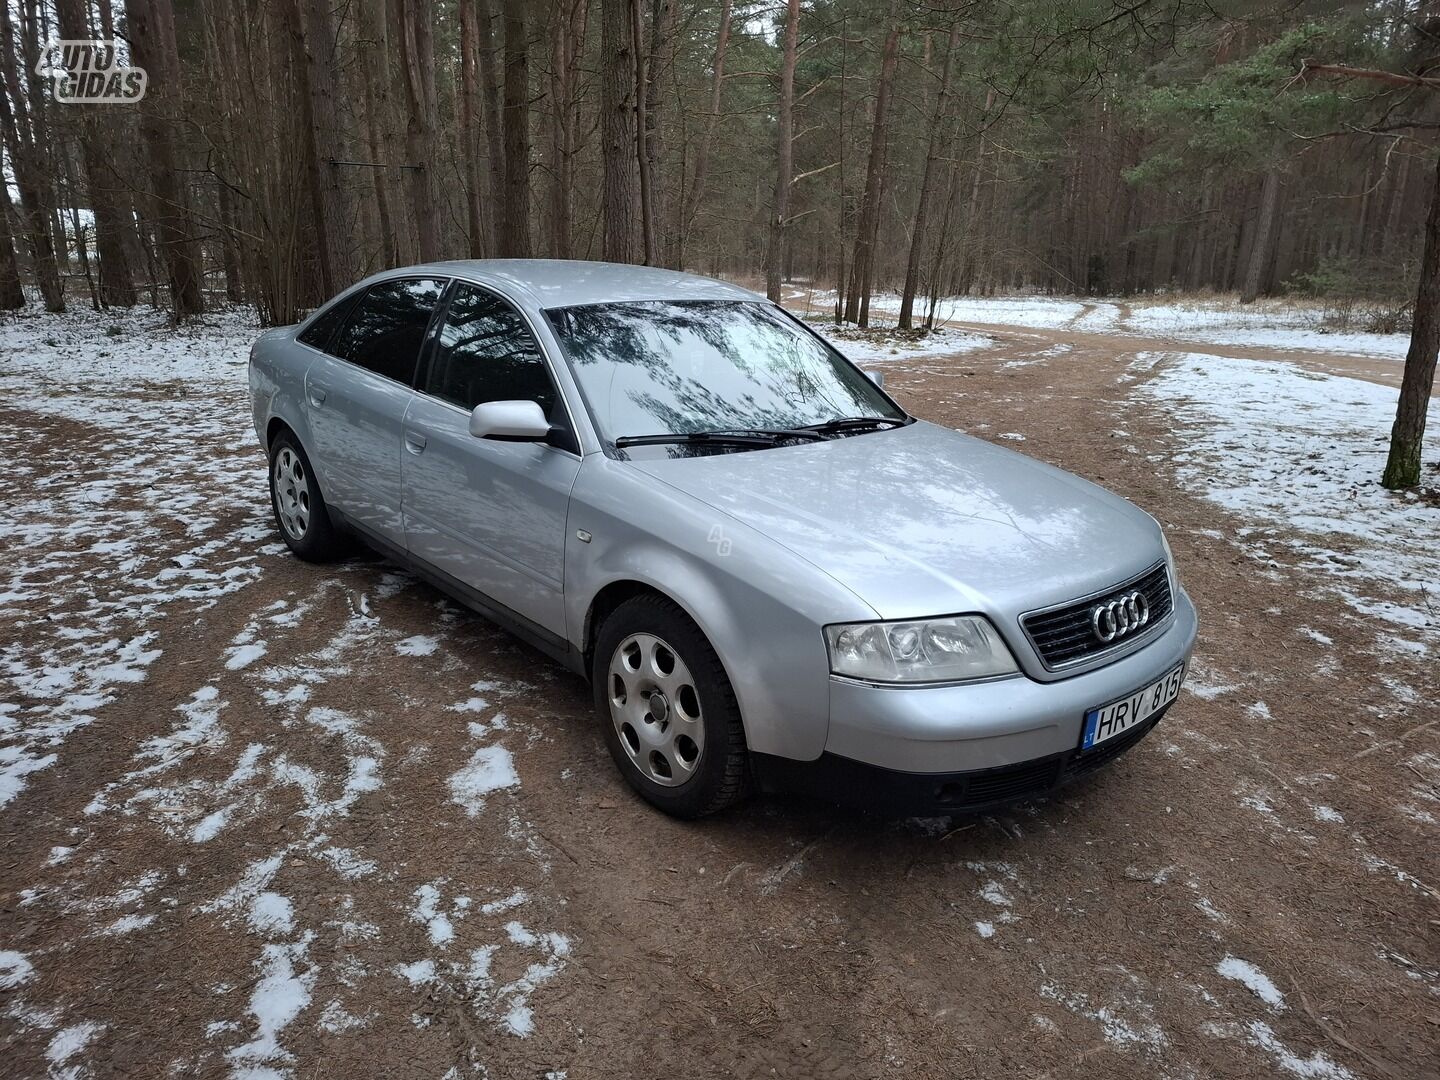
{"x": 523, "y": 421}
{"x": 877, "y": 377}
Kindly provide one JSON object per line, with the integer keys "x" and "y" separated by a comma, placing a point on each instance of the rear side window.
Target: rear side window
{"x": 386, "y": 329}
{"x": 487, "y": 353}
{"x": 318, "y": 334}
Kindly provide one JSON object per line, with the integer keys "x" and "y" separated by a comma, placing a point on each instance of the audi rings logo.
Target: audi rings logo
{"x": 1116, "y": 618}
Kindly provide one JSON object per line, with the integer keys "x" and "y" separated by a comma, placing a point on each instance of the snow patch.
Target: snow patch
{"x": 1253, "y": 979}
{"x": 15, "y": 969}
{"x": 419, "y": 645}
{"x": 67, "y": 1042}
{"x": 490, "y": 769}
{"x": 281, "y": 994}
{"x": 1301, "y": 452}
{"x": 426, "y": 912}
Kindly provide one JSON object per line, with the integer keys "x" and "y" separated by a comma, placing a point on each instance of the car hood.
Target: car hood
{"x": 922, "y": 520}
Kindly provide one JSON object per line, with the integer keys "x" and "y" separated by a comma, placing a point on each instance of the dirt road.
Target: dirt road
{"x": 263, "y": 818}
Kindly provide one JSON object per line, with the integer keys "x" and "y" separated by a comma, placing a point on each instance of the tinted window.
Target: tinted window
{"x": 387, "y": 328}
{"x": 681, "y": 366}
{"x": 487, "y": 353}
{"x": 322, "y": 329}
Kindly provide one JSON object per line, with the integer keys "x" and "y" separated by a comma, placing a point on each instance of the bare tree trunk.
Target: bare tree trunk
{"x": 1407, "y": 436}
{"x": 117, "y": 287}
{"x": 662, "y": 24}
{"x": 1395, "y": 207}
{"x": 79, "y": 231}
{"x": 696, "y": 191}
{"x": 920, "y": 232}
{"x": 152, "y": 44}
{"x": 642, "y": 126}
{"x": 490, "y": 109}
{"x": 417, "y": 46}
{"x": 515, "y": 236}
{"x": 784, "y": 155}
{"x": 12, "y": 296}
{"x": 377, "y": 114}
{"x": 969, "y": 244}
{"x": 469, "y": 134}
{"x": 320, "y": 61}
{"x": 840, "y": 205}
{"x": 567, "y": 46}
{"x": 229, "y": 255}
{"x": 857, "y": 304}
{"x": 621, "y": 191}
{"x": 29, "y": 157}
{"x": 1262, "y": 238}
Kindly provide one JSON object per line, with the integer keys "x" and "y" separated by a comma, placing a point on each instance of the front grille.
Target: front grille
{"x": 1064, "y": 635}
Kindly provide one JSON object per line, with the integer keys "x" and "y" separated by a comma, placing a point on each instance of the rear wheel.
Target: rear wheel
{"x": 671, "y": 720}
{"x": 299, "y": 506}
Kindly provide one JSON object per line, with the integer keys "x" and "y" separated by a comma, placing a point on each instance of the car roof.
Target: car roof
{"x": 554, "y": 283}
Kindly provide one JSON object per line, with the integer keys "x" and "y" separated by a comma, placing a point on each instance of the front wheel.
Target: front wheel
{"x": 299, "y": 506}
{"x": 671, "y": 720}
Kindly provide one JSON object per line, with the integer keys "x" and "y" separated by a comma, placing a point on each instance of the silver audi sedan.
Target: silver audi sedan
{"x": 771, "y": 574}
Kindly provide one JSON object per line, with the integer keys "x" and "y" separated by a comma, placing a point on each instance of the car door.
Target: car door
{"x": 488, "y": 512}
{"x": 356, "y": 397}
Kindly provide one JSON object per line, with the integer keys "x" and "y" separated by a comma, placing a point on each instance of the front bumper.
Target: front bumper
{"x": 842, "y": 780}
{"x": 990, "y": 725}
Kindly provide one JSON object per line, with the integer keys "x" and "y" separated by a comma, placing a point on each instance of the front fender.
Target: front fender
{"x": 760, "y": 606}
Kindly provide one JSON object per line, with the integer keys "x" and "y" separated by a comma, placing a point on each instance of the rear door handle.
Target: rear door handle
{"x": 317, "y": 396}
{"x": 415, "y": 442}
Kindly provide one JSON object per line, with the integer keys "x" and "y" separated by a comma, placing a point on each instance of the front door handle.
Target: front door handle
{"x": 414, "y": 442}
{"x": 317, "y": 396}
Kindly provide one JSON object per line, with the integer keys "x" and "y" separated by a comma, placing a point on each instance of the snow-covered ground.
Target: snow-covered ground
{"x": 94, "y": 531}
{"x": 1266, "y": 323}
{"x": 114, "y": 555}
{"x": 1038, "y": 311}
{"x": 1297, "y": 453}
{"x": 878, "y": 346}
{"x": 251, "y": 794}
{"x": 1270, "y": 324}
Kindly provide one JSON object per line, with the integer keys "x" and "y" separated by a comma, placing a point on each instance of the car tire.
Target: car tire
{"x": 685, "y": 753}
{"x": 299, "y": 506}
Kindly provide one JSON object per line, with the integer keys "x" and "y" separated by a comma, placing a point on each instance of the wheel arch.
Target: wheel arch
{"x": 616, "y": 592}
{"x": 610, "y": 597}
{"x": 276, "y": 425}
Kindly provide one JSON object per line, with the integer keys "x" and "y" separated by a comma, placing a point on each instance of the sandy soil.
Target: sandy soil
{"x": 258, "y": 864}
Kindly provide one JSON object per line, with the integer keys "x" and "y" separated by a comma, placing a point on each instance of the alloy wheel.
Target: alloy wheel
{"x": 292, "y": 493}
{"x": 656, "y": 709}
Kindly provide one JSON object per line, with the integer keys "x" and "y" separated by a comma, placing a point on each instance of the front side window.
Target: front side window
{"x": 386, "y": 329}
{"x": 693, "y": 366}
{"x": 487, "y": 353}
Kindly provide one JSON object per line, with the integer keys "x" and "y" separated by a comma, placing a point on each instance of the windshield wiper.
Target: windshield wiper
{"x": 735, "y": 437}
{"x": 848, "y": 423}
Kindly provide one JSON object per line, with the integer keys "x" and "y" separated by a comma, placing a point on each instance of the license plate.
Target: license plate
{"x": 1120, "y": 716}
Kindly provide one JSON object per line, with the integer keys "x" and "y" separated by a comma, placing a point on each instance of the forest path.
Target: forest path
{"x": 1368, "y": 368}
{"x": 293, "y": 820}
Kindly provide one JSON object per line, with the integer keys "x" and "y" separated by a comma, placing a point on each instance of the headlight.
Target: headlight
{"x": 928, "y": 650}
{"x": 1170, "y": 560}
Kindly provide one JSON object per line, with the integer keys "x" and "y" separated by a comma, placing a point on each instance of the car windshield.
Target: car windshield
{"x": 683, "y": 366}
